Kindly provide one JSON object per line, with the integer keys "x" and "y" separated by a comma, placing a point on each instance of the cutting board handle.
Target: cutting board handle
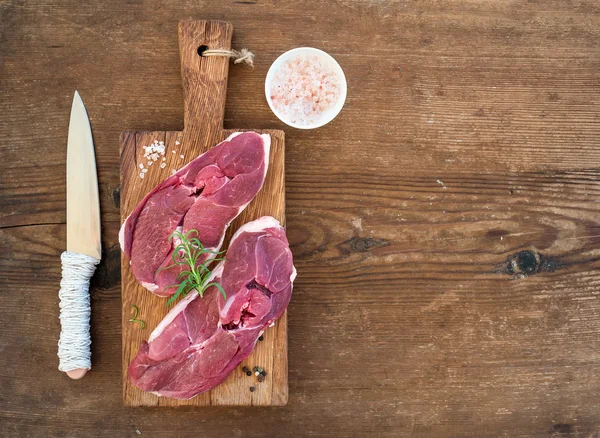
{"x": 204, "y": 78}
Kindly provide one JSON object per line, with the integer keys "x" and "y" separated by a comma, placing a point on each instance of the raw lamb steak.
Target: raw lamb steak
{"x": 201, "y": 340}
{"x": 205, "y": 195}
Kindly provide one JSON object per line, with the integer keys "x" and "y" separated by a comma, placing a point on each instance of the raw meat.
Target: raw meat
{"x": 201, "y": 340}
{"x": 206, "y": 195}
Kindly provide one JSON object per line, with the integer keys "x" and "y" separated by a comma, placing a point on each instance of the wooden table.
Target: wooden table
{"x": 445, "y": 226}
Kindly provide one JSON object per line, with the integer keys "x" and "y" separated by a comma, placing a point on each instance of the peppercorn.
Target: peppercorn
{"x": 248, "y": 373}
{"x": 261, "y": 338}
{"x": 245, "y": 369}
{"x": 252, "y": 388}
{"x": 261, "y": 377}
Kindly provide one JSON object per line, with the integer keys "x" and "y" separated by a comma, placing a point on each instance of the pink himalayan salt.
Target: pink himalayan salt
{"x": 303, "y": 89}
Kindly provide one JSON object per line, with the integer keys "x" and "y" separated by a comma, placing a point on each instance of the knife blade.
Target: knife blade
{"x": 84, "y": 246}
{"x": 83, "y": 204}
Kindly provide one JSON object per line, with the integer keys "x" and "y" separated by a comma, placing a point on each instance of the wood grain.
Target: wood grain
{"x": 408, "y": 317}
{"x": 205, "y": 85}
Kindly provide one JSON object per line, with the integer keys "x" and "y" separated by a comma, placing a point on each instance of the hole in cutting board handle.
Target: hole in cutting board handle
{"x": 202, "y": 49}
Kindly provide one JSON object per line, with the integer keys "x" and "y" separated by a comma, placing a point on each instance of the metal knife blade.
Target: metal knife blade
{"x": 83, "y": 204}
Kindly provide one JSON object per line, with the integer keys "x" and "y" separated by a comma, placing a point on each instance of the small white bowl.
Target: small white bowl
{"x": 328, "y": 61}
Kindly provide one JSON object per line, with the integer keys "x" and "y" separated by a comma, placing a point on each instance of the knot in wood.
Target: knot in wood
{"x": 361, "y": 244}
{"x": 117, "y": 196}
{"x": 525, "y": 262}
{"x": 529, "y": 262}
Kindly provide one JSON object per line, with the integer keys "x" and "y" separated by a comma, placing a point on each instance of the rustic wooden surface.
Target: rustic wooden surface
{"x": 409, "y": 317}
{"x": 204, "y": 90}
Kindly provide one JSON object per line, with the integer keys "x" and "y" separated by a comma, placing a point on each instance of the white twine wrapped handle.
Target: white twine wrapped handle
{"x": 244, "y": 55}
{"x": 74, "y": 344}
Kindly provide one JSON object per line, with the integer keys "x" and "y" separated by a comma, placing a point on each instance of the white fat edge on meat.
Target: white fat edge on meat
{"x": 152, "y": 287}
{"x": 232, "y": 136}
{"x": 181, "y": 305}
{"x": 225, "y": 309}
{"x": 267, "y": 145}
{"x": 122, "y": 234}
{"x": 256, "y": 226}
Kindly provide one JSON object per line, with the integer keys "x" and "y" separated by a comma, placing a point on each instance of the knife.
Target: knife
{"x": 84, "y": 247}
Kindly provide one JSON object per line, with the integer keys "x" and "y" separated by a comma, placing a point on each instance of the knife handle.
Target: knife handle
{"x": 74, "y": 345}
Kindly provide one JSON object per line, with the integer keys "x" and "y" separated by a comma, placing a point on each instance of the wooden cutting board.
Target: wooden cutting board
{"x": 204, "y": 90}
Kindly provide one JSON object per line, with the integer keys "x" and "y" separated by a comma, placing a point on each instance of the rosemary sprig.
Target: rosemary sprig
{"x": 134, "y": 319}
{"x": 196, "y": 276}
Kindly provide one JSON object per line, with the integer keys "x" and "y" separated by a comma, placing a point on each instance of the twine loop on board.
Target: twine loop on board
{"x": 238, "y": 56}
